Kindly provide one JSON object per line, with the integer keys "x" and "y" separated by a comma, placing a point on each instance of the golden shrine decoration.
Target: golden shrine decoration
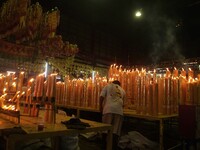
{"x": 26, "y": 30}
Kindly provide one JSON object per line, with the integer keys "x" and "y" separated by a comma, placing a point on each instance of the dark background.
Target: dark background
{"x": 106, "y": 30}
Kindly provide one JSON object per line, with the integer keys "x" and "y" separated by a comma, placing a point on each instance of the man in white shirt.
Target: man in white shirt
{"x": 112, "y": 98}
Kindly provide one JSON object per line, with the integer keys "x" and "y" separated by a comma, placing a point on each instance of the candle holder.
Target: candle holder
{"x": 10, "y": 114}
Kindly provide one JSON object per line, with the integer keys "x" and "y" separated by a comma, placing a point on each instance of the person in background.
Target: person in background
{"x": 112, "y": 98}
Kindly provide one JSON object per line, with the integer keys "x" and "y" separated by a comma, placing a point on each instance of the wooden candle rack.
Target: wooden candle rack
{"x": 10, "y": 115}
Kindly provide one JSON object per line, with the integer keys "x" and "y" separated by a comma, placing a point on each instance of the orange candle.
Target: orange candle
{"x": 183, "y": 82}
{"x": 40, "y": 85}
{"x": 155, "y": 99}
{"x": 150, "y": 100}
{"x": 183, "y": 73}
{"x": 167, "y": 95}
{"x": 175, "y": 72}
{"x": 168, "y": 73}
{"x": 161, "y": 95}
{"x": 190, "y": 73}
{"x": 20, "y": 81}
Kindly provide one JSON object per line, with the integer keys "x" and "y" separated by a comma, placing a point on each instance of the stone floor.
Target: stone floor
{"x": 149, "y": 129}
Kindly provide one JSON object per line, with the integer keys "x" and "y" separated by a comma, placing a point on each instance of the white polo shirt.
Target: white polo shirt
{"x": 113, "y": 99}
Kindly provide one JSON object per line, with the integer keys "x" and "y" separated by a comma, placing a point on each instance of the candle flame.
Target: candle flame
{"x": 42, "y": 74}
{"x": 14, "y": 84}
{"x": 31, "y": 80}
{"x": 54, "y": 74}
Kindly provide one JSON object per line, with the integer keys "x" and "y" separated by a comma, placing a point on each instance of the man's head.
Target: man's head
{"x": 116, "y": 82}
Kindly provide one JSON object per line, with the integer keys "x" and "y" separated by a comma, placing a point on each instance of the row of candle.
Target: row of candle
{"x": 8, "y": 103}
{"x": 147, "y": 93}
{"x": 73, "y": 92}
{"x": 153, "y": 93}
{"x": 79, "y": 92}
{"x": 12, "y": 91}
{"x": 37, "y": 89}
{"x": 10, "y": 83}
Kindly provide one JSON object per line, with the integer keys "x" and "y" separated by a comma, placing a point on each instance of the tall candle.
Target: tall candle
{"x": 13, "y": 98}
{"x": 161, "y": 95}
{"x": 150, "y": 101}
{"x": 138, "y": 99}
{"x": 20, "y": 81}
{"x": 190, "y": 73}
{"x": 155, "y": 99}
{"x": 53, "y": 85}
{"x": 195, "y": 91}
{"x": 175, "y": 72}
{"x": 188, "y": 93}
{"x": 143, "y": 92}
{"x": 62, "y": 92}
{"x": 183, "y": 73}
{"x": 58, "y": 92}
{"x": 175, "y": 95}
{"x": 40, "y": 85}
{"x": 182, "y": 99}
{"x": 36, "y": 86}
{"x": 13, "y": 87}
{"x": 167, "y": 95}
{"x": 110, "y": 72}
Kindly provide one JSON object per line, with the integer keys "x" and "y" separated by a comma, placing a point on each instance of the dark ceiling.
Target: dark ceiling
{"x": 167, "y": 27}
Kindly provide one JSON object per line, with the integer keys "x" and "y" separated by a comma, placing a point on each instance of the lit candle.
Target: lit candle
{"x": 143, "y": 91}
{"x": 16, "y": 94}
{"x": 138, "y": 98}
{"x": 13, "y": 87}
{"x": 150, "y": 99}
{"x": 175, "y": 72}
{"x": 175, "y": 95}
{"x": 20, "y": 81}
{"x": 40, "y": 85}
{"x": 167, "y": 95}
{"x": 188, "y": 93}
{"x": 161, "y": 95}
{"x": 155, "y": 99}
{"x": 168, "y": 73}
{"x": 182, "y": 81}
{"x": 190, "y": 73}
{"x": 110, "y": 72}
{"x": 36, "y": 86}
{"x": 183, "y": 73}
{"x": 58, "y": 92}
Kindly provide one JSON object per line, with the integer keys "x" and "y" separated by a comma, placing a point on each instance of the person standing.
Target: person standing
{"x": 112, "y": 99}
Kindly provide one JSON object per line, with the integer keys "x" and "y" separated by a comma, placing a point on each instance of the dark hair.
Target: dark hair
{"x": 116, "y": 82}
